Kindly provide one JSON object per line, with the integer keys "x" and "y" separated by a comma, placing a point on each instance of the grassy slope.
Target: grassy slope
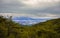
{"x": 48, "y": 29}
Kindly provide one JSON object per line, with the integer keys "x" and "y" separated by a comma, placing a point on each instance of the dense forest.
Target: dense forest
{"x": 47, "y": 29}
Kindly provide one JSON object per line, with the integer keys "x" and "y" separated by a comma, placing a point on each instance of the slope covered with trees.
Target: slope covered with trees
{"x": 48, "y": 29}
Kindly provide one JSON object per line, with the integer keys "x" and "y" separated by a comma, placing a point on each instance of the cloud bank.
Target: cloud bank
{"x": 33, "y": 8}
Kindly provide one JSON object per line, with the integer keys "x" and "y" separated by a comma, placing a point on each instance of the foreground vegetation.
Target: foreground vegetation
{"x": 48, "y": 29}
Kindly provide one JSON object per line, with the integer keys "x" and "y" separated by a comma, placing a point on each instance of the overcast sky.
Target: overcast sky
{"x": 33, "y": 8}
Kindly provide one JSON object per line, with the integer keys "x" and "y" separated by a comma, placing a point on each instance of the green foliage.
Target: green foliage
{"x": 48, "y": 29}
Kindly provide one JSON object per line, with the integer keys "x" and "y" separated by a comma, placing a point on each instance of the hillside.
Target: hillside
{"x": 48, "y": 29}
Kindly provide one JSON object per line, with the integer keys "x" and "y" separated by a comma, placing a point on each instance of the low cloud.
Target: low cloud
{"x": 41, "y": 15}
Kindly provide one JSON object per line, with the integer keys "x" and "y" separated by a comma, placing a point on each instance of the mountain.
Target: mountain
{"x": 28, "y": 20}
{"x": 47, "y": 29}
{"x": 22, "y": 18}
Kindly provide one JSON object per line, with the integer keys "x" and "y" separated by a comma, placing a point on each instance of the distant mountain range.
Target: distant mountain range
{"x": 28, "y": 20}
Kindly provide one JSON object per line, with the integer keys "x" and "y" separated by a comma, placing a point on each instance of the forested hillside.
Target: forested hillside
{"x": 48, "y": 29}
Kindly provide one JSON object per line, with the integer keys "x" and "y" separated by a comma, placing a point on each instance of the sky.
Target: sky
{"x": 30, "y": 8}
